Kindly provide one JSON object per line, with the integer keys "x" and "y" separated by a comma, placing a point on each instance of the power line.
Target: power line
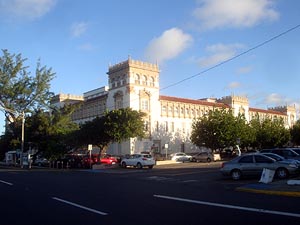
{"x": 225, "y": 61}
{"x": 233, "y": 58}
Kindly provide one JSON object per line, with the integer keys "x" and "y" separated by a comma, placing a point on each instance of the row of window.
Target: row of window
{"x": 144, "y": 80}
{"x": 88, "y": 111}
{"x": 138, "y": 79}
{"x": 184, "y": 111}
{"x": 168, "y": 126}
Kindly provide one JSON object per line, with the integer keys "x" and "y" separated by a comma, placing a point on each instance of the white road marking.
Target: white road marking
{"x": 229, "y": 206}
{"x": 80, "y": 206}
{"x": 4, "y": 182}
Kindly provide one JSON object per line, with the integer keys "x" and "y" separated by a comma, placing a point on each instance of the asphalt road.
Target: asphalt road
{"x": 183, "y": 194}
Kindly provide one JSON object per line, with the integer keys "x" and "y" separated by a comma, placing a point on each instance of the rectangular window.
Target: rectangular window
{"x": 119, "y": 104}
{"x": 172, "y": 126}
{"x": 145, "y": 104}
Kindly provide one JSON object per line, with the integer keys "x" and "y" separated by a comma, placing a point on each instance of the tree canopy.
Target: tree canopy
{"x": 219, "y": 129}
{"x": 295, "y": 133}
{"x": 20, "y": 91}
{"x": 46, "y": 131}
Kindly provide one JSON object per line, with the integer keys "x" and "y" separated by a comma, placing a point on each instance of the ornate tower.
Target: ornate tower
{"x": 135, "y": 84}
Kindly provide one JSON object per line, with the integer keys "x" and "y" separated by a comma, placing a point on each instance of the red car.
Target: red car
{"x": 109, "y": 160}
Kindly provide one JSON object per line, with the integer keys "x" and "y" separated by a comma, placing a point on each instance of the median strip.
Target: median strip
{"x": 229, "y": 206}
{"x": 80, "y": 206}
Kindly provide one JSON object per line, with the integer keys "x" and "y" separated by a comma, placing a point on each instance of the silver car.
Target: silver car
{"x": 202, "y": 157}
{"x": 253, "y": 165}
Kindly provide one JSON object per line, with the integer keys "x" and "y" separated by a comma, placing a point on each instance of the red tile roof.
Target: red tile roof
{"x": 266, "y": 111}
{"x": 193, "y": 101}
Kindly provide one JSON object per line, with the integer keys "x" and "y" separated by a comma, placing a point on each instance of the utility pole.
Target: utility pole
{"x": 23, "y": 127}
{"x": 22, "y": 138}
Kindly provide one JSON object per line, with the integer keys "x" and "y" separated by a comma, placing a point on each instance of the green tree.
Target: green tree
{"x": 19, "y": 90}
{"x": 115, "y": 126}
{"x": 122, "y": 124}
{"x": 270, "y": 133}
{"x": 47, "y": 132}
{"x": 218, "y": 129}
{"x": 295, "y": 133}
{"x": 92, "y": 132}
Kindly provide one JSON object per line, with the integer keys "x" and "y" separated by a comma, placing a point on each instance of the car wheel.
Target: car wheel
{"x": 139, "y": 166}
{"x": 124, "y": 164}
{"x": 150, "y": 167}
{"x": 208, "y": 160}
{"x": 236, "y": 174}
{"x": 193, "y": 160}
{"x": 282, "y": 173}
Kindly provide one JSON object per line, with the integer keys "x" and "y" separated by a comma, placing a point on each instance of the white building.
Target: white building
{"x": 135, "y": 84}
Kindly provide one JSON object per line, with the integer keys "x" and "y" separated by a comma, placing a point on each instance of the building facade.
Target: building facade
{"x": 168, "y": 120}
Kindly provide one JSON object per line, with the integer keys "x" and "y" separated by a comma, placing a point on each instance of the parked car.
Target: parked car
{"x": 41, "y": 162}
{"x": 280, "y": 158}
{"x": 287, "y": 153}
{"x": 202, "y": 157}
{"x": 138, "y": 160}
{"x": 109, "y": 160}
{"x": 180, "y": 156}
{"x": 253, "y": 164}
{"x": 297, "y": 150}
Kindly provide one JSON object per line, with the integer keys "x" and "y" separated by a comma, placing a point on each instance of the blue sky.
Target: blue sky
{"x": 78, "y": 39}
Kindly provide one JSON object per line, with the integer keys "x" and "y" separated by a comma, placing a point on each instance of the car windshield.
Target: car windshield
{"x": 274, "y": 156}
{"x": 147, "y": 156}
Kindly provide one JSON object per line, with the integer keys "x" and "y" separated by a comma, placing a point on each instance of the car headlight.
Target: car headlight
{"x": 293, "y": 165}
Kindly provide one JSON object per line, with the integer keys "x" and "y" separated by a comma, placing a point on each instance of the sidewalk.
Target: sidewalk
{"x": 166, "y": 162}
{"x": 289, "y": 187}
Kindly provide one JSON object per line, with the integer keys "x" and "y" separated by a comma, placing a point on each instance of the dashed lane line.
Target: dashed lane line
{"x": 80, "y": 206}
{"x": 4, "y": 182}
{"x": 229, "y": 206}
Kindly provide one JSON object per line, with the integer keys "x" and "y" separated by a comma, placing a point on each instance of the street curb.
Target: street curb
{"x": 269, "y": 192}
{"x": 166, "y": 162}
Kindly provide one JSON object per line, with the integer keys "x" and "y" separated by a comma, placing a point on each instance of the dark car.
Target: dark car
{"x": 253, "y": 164}
{"x": 297, "y": 150}
{"x": 287, "y": 153}
{"x": 41, "y": 162}
{"x": 202, "y": 157}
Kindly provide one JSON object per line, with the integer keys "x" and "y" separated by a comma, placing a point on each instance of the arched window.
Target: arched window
{"x": 182, "y": 111}
{"x": 151, "y": 80}
{"x": 113, "y": 83}
{"x": 137, "y": 79}
{"x": 144, "y": 80}
{"x": 170, "y": 110}
{"x": 123, "y": 80}
{"x": 118, "y": 81}
{"x": 118, "y": 100}
{"x": 164, "y": 109}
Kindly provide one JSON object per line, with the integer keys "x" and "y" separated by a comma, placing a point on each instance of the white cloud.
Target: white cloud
{"x": 276, "y": 99}
{"x": 26, "y": 9}
{"x": 86, "y": 47}
{"x": 234, "y": 85}
{"x": 169, "y": 45}
{"x": 244, "y": 70}
{"x": 234, "y": 13}
{"x": 219, "y": 53}
{"x": 78, "y": 29}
